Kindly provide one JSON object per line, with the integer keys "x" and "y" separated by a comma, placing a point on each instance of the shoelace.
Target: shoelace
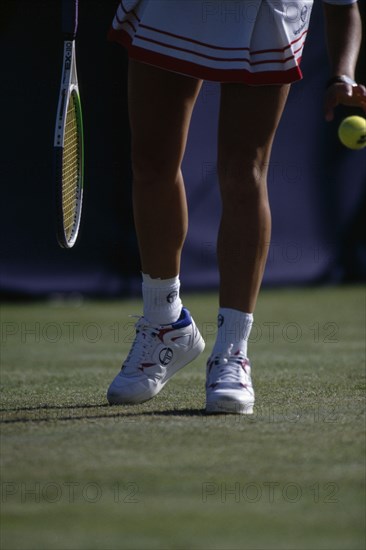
{"x": 228, "y": 369}
{"x": 144, "y": 339}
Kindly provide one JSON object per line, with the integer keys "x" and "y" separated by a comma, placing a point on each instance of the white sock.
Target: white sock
{"x": 233, "y": 331}
{"x": 162, "y": 303}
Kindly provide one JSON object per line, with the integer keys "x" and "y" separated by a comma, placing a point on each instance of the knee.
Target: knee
{"x": 152, "y": 165}
{"x": 151, "y": 171}
{"x": 243, "y": 181}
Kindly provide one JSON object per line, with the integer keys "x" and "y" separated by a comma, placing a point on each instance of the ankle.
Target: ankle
{"x": 162, "y": 303}
{"x": 233, "y": 332}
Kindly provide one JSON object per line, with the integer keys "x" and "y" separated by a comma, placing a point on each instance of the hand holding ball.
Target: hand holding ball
{"x": 352, "y": 132}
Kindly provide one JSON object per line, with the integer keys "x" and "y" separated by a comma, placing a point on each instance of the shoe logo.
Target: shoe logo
{"x": 165, "y": 356}
{"x": 220, "y": 320}
{"x": 172, "y": 296}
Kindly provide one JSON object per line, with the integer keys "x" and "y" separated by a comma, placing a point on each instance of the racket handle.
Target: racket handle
{"x": 70, "y": 18}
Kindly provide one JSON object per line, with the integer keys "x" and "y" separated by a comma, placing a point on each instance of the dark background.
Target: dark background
{"x": 316, "y": 186}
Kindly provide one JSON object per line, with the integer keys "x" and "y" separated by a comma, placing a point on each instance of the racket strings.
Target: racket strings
{"x": 70, "y": 169}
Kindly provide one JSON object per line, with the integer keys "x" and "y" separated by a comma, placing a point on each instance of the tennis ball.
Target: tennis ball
{"x": 352, "y": 132}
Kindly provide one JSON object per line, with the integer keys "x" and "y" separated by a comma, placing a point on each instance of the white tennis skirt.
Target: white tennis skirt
{"x": 256, "y": 42}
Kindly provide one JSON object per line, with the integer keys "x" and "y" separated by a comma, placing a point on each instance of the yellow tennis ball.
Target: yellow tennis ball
{"x": 352, "y": 132}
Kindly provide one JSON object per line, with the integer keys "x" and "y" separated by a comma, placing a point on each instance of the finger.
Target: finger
{"x": 328, "y": 113}
{"x": 360, "y": 96}
{"x": 360, "y": 90}
{"x": 330, "y": 103}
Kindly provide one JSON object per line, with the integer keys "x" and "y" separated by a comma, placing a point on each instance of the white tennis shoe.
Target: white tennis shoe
{"x": 229, "y": 386}
{"x": 157, "y": 353}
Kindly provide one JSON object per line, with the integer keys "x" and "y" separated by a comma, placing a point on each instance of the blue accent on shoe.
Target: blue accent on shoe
{"x": 184, "y": 319}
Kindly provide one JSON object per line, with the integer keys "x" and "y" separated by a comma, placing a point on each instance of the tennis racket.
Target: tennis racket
{"x": 68, "y": 140}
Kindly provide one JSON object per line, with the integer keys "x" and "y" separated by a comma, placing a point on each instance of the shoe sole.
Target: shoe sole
{"x": 229, "y": 407}
{"x": 150, "y": 393}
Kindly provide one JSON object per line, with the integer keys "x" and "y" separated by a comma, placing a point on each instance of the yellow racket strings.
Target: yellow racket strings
{"x": 70, "y": 169}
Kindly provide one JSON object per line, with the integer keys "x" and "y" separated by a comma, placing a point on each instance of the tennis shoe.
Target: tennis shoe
{"x": 229, "y": 386}
{"x": 157, "y": 353}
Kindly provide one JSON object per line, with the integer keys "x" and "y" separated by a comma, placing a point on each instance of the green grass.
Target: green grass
{"x": 78, "y": 474}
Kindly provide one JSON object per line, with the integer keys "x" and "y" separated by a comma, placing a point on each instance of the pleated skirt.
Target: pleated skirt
{"x": 256, "y": 42}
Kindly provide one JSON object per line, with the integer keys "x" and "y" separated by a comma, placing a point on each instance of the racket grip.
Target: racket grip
{"x": 70, "y": 18}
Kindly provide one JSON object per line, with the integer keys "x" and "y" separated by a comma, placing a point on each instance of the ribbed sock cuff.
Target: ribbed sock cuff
{"x": 233, "y": 332}
{"x": 162, "y": 303}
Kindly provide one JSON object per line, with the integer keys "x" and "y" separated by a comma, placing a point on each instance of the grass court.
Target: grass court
{"x": 77, "y": 474}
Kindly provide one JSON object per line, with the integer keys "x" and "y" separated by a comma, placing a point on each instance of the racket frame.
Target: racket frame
{"x": 69, "y": 88}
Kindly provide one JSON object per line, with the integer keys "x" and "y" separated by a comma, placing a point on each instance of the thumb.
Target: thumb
{"x": 349, "y": 91}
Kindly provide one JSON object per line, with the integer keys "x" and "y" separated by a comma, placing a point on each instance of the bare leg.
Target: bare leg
{"x": 160, "y": 109}
{"x": 249, "y": 117}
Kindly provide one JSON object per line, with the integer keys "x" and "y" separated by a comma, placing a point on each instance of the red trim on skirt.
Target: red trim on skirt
{"x": 201, "y": 72}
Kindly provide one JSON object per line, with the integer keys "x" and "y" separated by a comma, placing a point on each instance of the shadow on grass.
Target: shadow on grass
{"x": 55, "y": 407}
{"x": 121, "y": 412}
